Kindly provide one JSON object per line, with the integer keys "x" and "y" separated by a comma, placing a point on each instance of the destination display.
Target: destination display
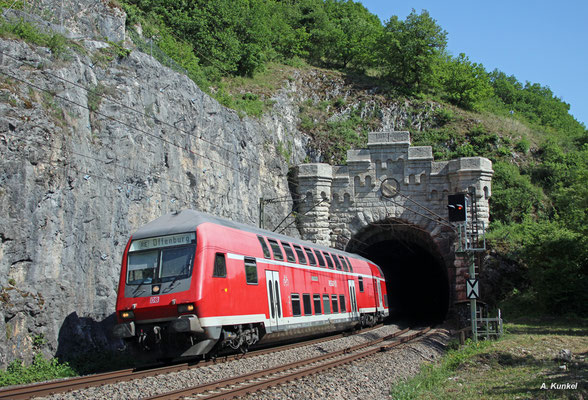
{"x": 162, "y": 241}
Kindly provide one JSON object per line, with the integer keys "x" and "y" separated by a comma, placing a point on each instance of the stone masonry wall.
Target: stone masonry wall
{"x": 353, "y": 198}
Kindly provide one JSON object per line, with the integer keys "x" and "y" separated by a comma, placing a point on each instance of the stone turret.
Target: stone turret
{"x": 353, "y": 197}
{"x": 390, "y": 203}
{"x": 314, "y": 190}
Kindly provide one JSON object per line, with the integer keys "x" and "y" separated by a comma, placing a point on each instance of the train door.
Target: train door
{"x": 274, "y": 298}
{"x": 379, "y": 289}
{"x": 352, "y": 298}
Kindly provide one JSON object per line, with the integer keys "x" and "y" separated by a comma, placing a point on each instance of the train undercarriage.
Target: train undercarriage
{"x": 184, "y": 337}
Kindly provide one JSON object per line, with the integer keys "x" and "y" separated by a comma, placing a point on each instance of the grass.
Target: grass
{"x": 42, "y": 369}
{"x": 252, "y": 95}
{"x": 28, "y": 32}
{"x": 514, "y": 367}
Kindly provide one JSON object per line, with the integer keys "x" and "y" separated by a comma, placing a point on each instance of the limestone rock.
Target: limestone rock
{"x": 91, "y": 151}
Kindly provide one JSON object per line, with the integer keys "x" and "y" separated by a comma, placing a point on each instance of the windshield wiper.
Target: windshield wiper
{"x": 139, "y": 287}
{"x": 171, "y": 285}
{"x": 183, "y": 272}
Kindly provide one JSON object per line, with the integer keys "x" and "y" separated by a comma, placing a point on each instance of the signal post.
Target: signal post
{"x": 468, "y": 240}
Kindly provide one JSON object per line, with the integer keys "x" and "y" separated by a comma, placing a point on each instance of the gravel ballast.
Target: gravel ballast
{"x": 369, "y": 378}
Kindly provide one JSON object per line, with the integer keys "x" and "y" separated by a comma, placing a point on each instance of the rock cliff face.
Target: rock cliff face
{"x": 95, "y": 143}
{"x": 93, "y": 146}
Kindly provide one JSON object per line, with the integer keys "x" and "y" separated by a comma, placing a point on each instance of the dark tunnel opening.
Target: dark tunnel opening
{"x": 416, "y": 277}
{"x": 417, "y": 286}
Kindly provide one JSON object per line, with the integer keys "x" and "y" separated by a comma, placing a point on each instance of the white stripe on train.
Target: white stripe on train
{"x": 256, "y": 318}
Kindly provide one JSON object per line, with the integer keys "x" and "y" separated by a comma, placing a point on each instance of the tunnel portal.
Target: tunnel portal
{"x": 389, "y": 204}
{"x": 416, "y": 276}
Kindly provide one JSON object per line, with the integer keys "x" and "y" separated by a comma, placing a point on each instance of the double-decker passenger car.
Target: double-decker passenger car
{"x": 191, "y": 281}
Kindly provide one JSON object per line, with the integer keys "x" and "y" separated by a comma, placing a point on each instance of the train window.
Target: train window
{"x": 316, "y": 298}
{"x": 343, "y": 263}
{"x": 321, "y": 260}
{"x": 337, "y": 263}
{"x": 326, "y": 304}
{"x": 342, "y": 302}
{"x": 176, "y": 263}
{"x": 348, "y": 263}
{"x": 329, "y": 261}
{"x": 311, "y": 257}
{"x": 276, "y": 249}
{"x": 360, "y": 279}
{"x": 266, "y": 250}
{"x": 385, "y": 300}
{"x": 220, "y": 266}
{"x": 289, "y": 252}
{"x": 300, "y": 254}
{"x": 295, "y": 304}
{"x": 250, "y": 271}
{"x": 334, "y": 303}
{"x": 307, "y": 304}
{"x": 141, "y": 267}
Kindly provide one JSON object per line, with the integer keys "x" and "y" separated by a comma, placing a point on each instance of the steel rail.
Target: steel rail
{"x": 263, "y": 380}
{"x": 82, "y": 382}
{"x": 252, "y": 388}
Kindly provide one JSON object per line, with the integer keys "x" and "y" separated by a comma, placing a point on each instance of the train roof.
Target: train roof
{"x": 188, "y": 220}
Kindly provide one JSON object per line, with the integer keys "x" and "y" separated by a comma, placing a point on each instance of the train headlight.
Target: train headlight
{"x": 155, "y": 289}
{"x": 185, "y": 308}
{"x": 127, "y": 314}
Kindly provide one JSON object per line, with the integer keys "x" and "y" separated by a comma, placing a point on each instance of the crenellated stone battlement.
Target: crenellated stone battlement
{"x": 345, "y": 203}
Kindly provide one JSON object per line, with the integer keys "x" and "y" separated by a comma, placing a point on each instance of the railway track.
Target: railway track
{"x": 259, "y": 380}
{"x": 66, "y": 385}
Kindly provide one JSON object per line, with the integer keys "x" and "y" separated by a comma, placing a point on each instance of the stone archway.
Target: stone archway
{"x": 390, "y": 202}
{"x": 415, "y": 268}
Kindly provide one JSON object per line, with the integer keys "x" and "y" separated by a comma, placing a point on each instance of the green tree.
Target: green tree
{"x": 514, "y": 197}
{"x": 352, "y": 34}
{"x": 536, "y": 103}
{"x": 464, "y": 83}
{"x": 411, "y": 49}
{"x": 563, "y": 175}
{"x": 230, "y": 37}
{"x": 557, "y": 261}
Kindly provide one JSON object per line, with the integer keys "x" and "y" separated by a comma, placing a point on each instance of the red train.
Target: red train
{"x": 192, "y": 284}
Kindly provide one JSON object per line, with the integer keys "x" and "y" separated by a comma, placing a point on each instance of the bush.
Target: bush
{"x": 464, "y": 83}
{"x": 523, "y": 146}
{"x": 443, "y": 116}
{"x": 41, "y": 369}
{"x": 557, "y": 260}
{"x": 515, "y": 198}
{"x": 57, "y": 43}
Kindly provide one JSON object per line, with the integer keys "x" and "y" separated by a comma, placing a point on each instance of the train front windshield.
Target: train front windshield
{"x": 161, "y": 259}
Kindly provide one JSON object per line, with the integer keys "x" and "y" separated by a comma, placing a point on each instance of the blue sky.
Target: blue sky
{"x": 539, "y": 41}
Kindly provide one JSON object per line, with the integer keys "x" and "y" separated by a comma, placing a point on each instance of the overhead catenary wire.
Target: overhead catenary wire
{"x": 173, "y": 198}
{"x": 295, "y": 184}
{"x": 307, "y": 211}
{"x": 157, "y": 120}
{"x": 185, "y": 148}
{"x": 103, "y": 96}
{"x": 118, "y": 121}
{"x": 114, "y": 163}
{"x": 438, "y": 220}
{"x": 425, "y": 208}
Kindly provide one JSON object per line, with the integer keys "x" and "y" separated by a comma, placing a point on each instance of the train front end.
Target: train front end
{"x": 157, "y": 297}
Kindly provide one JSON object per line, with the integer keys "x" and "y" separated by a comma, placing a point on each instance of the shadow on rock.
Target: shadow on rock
{"x": 88, "y": 345}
